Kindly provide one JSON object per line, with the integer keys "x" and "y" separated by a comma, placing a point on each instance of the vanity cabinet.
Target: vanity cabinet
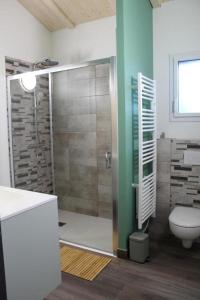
{"x": 29, "y": 247}
{"x": 2, "y": 272}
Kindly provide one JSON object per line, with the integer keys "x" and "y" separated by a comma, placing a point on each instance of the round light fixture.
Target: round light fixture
{"x": 28, "y": 82}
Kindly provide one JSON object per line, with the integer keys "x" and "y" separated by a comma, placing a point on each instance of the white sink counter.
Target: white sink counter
{"x": 15, "y": 201}
{"x": 29, "y": 244}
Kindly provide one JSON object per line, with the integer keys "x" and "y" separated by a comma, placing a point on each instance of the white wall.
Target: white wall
{"x": 23, "y": 37}
{"x": 85, "y": 42}
{"x": 176, "y": 30}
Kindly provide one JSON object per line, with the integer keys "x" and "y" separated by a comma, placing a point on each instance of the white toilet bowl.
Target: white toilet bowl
{"x": 184, "y": 223}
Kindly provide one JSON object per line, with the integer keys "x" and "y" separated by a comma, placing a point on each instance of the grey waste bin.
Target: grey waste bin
{"x": 139, "y": 247}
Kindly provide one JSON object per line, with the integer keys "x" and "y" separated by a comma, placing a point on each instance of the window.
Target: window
{"x": 185, "y": 88}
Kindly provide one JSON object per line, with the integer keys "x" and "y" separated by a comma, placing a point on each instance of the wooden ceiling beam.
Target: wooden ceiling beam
{"x": 58, "y": 14}
{"x": 47, "y": 12}
{"x": 81, "y": 11}
{"x": 57, "y": 11}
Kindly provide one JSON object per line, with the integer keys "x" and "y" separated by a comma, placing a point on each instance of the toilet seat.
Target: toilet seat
{"x": 187, "y": 217}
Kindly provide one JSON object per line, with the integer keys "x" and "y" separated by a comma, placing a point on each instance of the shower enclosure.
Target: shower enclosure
{"x": 63, "y": 140}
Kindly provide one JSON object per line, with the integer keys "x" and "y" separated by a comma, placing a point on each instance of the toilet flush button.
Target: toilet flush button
{"x": 192, "y": 157}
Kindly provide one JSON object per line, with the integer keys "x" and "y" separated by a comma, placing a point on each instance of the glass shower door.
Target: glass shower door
{"x": 62, "y": 141}
{"x": 81, "y": 106}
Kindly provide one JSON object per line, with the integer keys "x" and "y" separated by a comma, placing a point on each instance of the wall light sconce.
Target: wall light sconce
{"x": 28, "y": 82}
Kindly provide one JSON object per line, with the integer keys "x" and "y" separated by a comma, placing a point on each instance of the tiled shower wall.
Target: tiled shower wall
{"x": 185, "y": 179}
{"x": 31, "y": 160}
{"x": 82, "y": 135}
{"x": 177, "y": 183}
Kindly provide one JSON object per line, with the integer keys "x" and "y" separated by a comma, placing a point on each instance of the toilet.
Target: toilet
{"x": 184, "y": 223}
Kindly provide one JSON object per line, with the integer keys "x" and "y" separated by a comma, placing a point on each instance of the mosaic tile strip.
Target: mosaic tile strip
{"x": 184, "y": 179}
{"x": 31, "y": 158}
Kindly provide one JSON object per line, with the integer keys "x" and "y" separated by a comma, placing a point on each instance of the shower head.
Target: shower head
{"x": 46, "y": 63}
{"x": 49, "y": 63}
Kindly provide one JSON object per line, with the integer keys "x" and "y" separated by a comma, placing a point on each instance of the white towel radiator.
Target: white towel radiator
{"x": 146, "y": 200}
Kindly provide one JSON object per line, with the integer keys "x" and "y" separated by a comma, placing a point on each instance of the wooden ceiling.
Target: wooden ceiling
{"x": 58, "y": 14}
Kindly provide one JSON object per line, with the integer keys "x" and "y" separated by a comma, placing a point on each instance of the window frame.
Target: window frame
{"x": 175, "y": 115}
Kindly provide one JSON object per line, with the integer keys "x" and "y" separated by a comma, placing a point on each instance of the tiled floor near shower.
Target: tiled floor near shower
{"x": 89, "y": 231}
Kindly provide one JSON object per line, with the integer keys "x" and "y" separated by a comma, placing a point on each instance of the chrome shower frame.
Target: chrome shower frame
{"x": 114, "y": 117}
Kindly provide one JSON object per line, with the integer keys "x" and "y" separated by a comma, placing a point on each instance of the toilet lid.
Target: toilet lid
{"x": 185, "y": 216}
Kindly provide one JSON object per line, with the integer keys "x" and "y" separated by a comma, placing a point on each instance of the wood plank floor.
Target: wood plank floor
{"x": 172, "y": 273}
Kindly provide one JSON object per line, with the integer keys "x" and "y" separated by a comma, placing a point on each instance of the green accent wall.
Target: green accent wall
{"x": 134, "y": 54}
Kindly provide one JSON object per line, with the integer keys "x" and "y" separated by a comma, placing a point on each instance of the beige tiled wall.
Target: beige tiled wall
{"x": 82, "y": 135}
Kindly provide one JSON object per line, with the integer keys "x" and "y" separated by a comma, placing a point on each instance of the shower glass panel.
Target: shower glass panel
{"x": 82, "y": 136}
{"x": 30, "y": 131}
{"x": 81, "y": 109}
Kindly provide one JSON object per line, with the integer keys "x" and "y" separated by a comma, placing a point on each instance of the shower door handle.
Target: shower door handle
{"x": 108, "y": 157}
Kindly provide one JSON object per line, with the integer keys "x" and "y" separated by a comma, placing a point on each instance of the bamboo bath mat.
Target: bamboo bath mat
{"x": 81, "y": 263}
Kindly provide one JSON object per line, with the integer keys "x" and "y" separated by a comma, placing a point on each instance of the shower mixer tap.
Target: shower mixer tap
{"x": 108, "y": 158}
